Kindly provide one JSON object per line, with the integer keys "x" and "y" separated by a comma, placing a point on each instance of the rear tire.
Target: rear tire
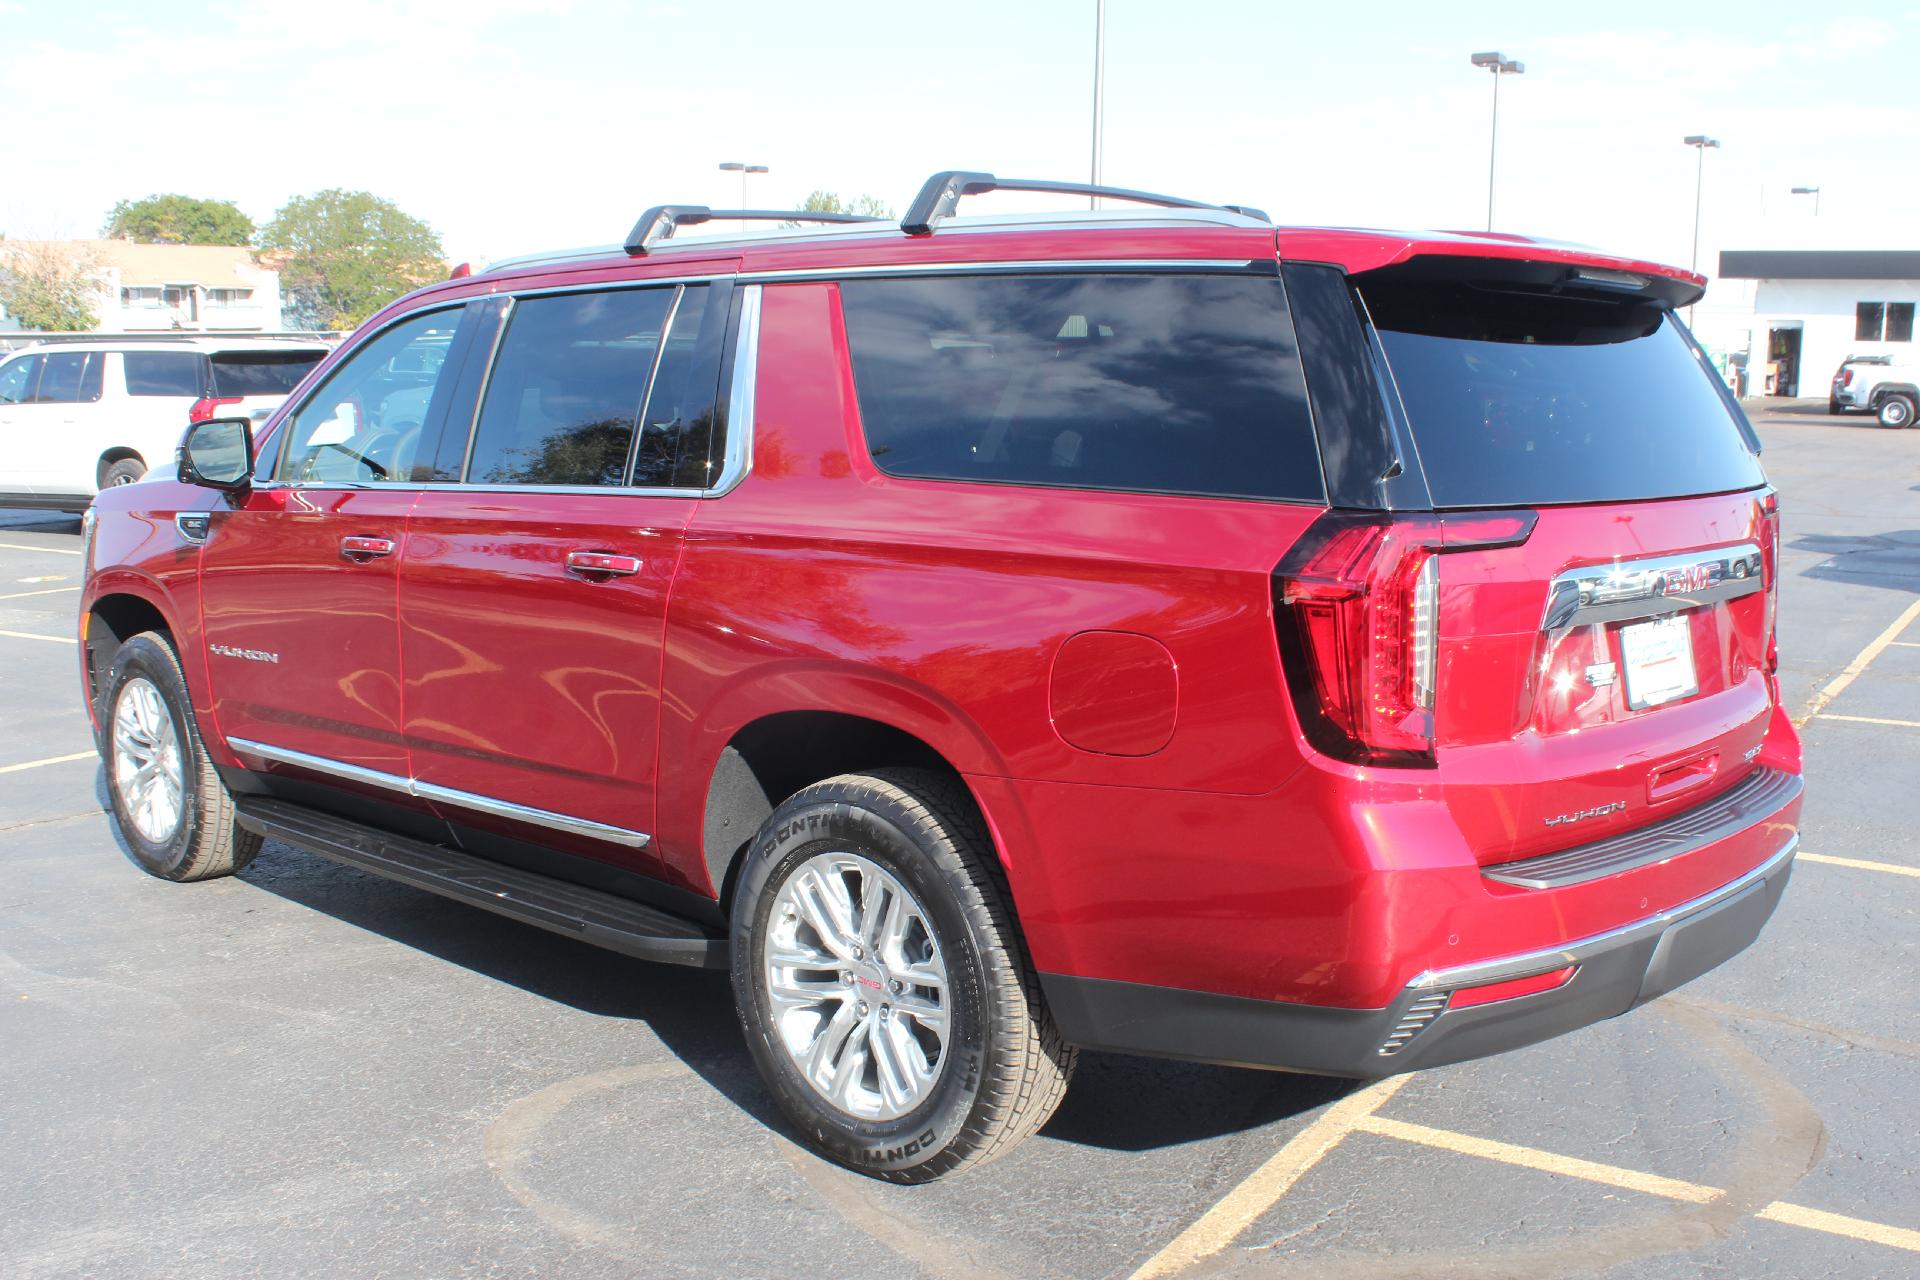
{"x": 125, "y": 471}
{"x": 1833, "y": 407}
{"x": 1896, "y": 411}
{"x": 908, "y": 1059}
{"x": 174, "y": 812}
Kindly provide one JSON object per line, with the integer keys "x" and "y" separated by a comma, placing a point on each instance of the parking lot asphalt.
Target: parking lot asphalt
{"x": 307, "y": 1071}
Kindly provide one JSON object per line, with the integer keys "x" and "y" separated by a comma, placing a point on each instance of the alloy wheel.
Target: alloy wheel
{"x": 148, "y": 769}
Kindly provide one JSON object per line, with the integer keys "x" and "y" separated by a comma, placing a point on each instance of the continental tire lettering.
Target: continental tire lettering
{"x": 891, "y": 1155}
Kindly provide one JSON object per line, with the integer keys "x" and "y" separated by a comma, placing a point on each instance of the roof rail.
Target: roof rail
{"x": 661, "y": 221}
{"x": 940, "y": 196}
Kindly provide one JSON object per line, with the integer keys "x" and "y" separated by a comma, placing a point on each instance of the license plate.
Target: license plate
{"x": 1658, "y": 661}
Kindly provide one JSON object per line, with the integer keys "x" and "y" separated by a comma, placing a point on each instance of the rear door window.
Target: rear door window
{"x": 1521, "y": 397}
{"x": 17, "y": 378}
{"x": 261, "y": 373}
{"x": 70, "y": 377}
{"x": 564, "y": 398}
{"x": 165, "y": 373}
{"x": 1138, "y": 382}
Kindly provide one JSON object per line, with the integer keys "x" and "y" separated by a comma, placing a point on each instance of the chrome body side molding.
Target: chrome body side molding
{"x": 1633, "y": 589}
{"x": 441, "y": 795}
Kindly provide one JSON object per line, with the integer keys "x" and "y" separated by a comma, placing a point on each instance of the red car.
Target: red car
{"x": 1150, "y": 631}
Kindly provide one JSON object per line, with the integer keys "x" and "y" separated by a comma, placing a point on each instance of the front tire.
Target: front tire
{"x": 174, "y": 812}
{"x": 1896, "y": 411}
{"x": 883, "y": 989}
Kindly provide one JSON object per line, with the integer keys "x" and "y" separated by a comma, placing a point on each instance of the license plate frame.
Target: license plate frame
{"x": 1656, "y": 661}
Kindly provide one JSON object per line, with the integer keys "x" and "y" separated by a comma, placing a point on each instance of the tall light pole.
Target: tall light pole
{"x": 1099, "y": 88}
{"x": 1810, "y": 191}
{"x": 1699, "y": 142}
{"x": 734, "y": 166}
{"x": 1500, "y": 65}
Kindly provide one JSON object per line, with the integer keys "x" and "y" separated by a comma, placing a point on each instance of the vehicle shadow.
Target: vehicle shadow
{"x": 38, "y": 521}
{"x": 1889, "y": 560}
{"x": 1116, "y": 1103}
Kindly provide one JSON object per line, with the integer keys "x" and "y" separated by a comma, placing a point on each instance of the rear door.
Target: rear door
{"x": 534, "y": 587}
{"x": 297, "y": 581}
{"x": 161, "y": 387}
{"x": 54, "y": 430}
{"x": 1613, "y": 663}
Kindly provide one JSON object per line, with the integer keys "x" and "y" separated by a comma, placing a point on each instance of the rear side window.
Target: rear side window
{"x": 261, "y": 373}
{"x": 17, "y": 378}
{"x": 1147, "y": 383}
{"x": 164, "y": 373}
{"x": 1517, "y": 397}
{"x": 70, "y": 377}
{"x": 566, "y": 390}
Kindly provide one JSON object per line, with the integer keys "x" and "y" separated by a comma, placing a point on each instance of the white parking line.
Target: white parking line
{"x": 1860, "y": 663}
{"x": 45, "y": 591}
{"x": 52, "y": 551}
{"x": 35, "y": 764}
{"x": 29, "y": 635}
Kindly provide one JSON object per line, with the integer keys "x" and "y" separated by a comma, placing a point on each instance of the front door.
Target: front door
{"x": 297, "y": 581}
{"x": 533, "y": 596}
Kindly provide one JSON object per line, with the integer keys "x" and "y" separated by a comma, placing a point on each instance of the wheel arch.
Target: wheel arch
{"x": 1886, "y": 389}
{"x": 117, "y": 610}
{"x": 118, "y": 453}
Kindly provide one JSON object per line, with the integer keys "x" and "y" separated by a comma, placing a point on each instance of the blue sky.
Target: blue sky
{"x": 526, "y": 125}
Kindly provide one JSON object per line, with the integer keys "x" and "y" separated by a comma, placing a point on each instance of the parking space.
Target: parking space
{"x": 304, "y": 1070}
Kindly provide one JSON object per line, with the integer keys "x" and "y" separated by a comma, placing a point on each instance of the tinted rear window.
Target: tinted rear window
{"x": 261, "y": 373}
{"x": 164, "y": 373}
{"x": 1517, "y": 398}
{"x": 1151, "y": 383}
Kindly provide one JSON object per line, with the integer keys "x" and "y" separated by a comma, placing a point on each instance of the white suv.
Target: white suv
{"x": 1891, "y": 391}
{"x": 78, "y": 417}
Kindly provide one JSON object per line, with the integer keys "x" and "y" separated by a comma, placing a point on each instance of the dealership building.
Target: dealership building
{"x": 1797, "y": 313}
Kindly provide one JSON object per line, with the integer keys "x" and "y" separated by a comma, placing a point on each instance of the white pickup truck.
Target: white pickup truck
{"x": 1876, "y": 383}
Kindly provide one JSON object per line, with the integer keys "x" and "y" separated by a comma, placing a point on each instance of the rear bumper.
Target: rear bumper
{"x": 1613, "y": 972}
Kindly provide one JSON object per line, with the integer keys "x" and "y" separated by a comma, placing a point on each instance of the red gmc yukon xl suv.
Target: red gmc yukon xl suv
{"x": 1149, "y": 631}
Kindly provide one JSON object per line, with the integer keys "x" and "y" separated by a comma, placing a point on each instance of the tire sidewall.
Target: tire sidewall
{"x": 123, "y": 467}
{"x": 866, "y": 826}
{"x": 146, "y": 657}
{"x": 1900, "y": 405}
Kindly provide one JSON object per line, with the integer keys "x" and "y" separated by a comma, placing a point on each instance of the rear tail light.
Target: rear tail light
{"x": 209, "y": 407}
{"x": 1846, "y": 376}
{"x": 1770, "y": 550}
{"x": 1357, "y": 610}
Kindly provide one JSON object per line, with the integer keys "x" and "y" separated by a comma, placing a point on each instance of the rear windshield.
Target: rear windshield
{"x": 1518, "y": 398}
{"x": 1149, "y": 383}
{"x": 261, "y": 373}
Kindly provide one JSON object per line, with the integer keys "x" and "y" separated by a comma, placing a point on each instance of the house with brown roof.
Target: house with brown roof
{"x": 177, "y": 288}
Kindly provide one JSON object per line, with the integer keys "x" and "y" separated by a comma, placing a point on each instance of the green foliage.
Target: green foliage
{"x": 175, "y": 219}
{"x": 49, "y": 287}
{"x": 342, "y": 255}
{"x": 828, "y": 202}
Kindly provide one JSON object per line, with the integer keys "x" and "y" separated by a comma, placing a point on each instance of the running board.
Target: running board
{"x": 603, "y": 919}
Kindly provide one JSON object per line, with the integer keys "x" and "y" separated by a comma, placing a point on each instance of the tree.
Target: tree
{"x": 828, "y": 202}
{"x": 175, "y": 219}
{"x": 49, "y": 286}
{"x": 342, "y": 255}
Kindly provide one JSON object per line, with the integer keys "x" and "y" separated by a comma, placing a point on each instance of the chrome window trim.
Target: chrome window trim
{"x": 445, "y": 795}
{"x": 737, "y": 452}
{"x": 1629, "y": 590}
{"x": 646, "y": 391}
{"x": 1530, "y": 963}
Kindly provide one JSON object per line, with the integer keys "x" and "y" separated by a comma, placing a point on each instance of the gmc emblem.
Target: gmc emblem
{"x": 1687, "y": 579}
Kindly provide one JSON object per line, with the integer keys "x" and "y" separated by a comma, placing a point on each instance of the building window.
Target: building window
{"x": 229, "y": 297}
{"x": 1883, "y": 321}
{"x": 140, "y": 296}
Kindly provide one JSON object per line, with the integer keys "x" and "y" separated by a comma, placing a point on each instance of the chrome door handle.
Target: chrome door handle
{"x": 360, "y": 549}
{"x": 594, "y": 564}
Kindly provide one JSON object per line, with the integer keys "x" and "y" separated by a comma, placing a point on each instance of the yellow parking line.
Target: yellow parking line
{"x": 48, "y": 591}
{"x": 1860, "y": 663}
{"x": 1545, "y": 1161}
{"x": 1633, "y": 1180}
{"x": 35, "y": 764}
{"x": 1240, "y": 1207}
{"x": 1898, "y": 724}
{"x": 1860, "y": 864}
{"x": 52, "y": 551}
{"x": 28, "y": 635}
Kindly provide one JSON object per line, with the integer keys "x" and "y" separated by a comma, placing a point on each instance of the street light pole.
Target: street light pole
{"x": 734, "y": 166}
{"x": 1099, "y": 88}
{"x": 1500, "y": 65}
{"x": 1699, "y": 142}
{"x": 1810, "y": 191}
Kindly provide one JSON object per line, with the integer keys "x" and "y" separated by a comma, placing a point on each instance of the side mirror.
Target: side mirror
{"x": 218, "y": 454}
